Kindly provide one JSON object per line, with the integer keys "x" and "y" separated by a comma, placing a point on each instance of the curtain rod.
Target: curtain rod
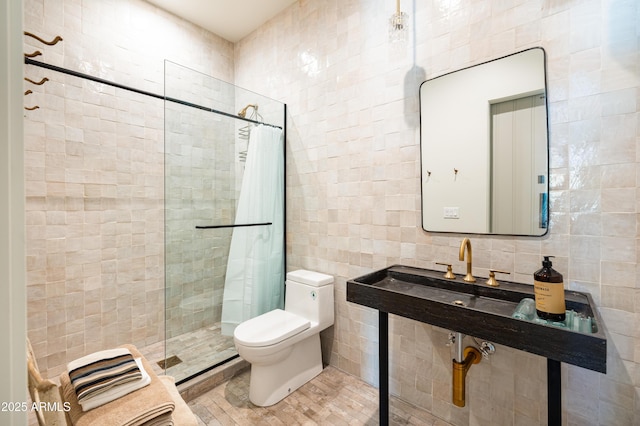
{"x": 30, "y": 61}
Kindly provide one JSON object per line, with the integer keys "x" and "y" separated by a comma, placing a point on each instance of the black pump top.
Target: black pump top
{"x": 546, "y": 263}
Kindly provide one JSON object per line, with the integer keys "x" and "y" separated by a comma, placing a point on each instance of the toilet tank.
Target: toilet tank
{"x": 310, "y": 295}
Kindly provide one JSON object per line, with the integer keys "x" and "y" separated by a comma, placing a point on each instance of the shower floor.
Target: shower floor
{"x": 195, "y": 351}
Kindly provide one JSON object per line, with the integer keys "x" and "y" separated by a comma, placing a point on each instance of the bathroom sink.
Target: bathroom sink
{"x": 482, "y": 311}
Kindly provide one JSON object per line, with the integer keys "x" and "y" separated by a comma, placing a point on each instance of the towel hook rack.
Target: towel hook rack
{"x": 41, "y": 40}
{"x": 29, "y": 91}
{"x": 39, "y": 83}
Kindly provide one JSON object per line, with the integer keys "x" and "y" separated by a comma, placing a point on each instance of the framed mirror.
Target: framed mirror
{"x": 484, "y": 148}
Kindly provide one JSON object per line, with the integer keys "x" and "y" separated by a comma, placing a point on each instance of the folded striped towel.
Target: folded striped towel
{"x": 142, "y": 407}
{"x": 117, "y": 391}
{"x": 101, "y": 371}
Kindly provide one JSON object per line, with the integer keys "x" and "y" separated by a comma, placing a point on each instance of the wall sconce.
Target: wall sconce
{"x": 398, "y": 26}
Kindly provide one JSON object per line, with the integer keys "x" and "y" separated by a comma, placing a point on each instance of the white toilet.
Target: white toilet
{"x": 283, "y": 347}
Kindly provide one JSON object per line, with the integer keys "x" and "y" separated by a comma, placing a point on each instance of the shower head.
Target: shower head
{"x": 243, "y": 111}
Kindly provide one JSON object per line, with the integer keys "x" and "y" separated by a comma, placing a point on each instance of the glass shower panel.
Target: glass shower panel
{"x": 205, "y": 156}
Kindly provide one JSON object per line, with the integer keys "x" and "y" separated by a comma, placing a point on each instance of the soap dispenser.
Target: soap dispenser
{"x": 549, "y": 292}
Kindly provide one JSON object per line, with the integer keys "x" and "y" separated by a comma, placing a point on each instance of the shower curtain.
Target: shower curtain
{"x": 254, "y": 282}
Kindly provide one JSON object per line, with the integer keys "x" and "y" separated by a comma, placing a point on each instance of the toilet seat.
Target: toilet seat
{"x": 269, "y": 328}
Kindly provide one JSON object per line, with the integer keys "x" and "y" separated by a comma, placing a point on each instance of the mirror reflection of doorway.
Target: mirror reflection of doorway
{"x": 518, "y": 168}
{"x": 455, "y": 134}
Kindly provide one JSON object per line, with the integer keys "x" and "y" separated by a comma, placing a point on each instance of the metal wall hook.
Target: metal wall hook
{"x": 48, "y": 43}
{"x": 39, "y": 83}
{"x": 29, "y": 91}
{"x": 33, "y": 54}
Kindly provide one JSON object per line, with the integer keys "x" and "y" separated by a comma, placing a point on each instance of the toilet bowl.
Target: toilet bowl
{"x": 283, "y": 346}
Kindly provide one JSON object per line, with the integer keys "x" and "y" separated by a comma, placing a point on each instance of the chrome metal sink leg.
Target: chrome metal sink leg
{"x": 455, "y": 340}
{"x": 459, "y": 350}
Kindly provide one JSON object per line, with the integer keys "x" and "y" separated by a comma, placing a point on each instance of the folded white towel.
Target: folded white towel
{"x": 97, "y": 356}
{"x": 117, "y": 391}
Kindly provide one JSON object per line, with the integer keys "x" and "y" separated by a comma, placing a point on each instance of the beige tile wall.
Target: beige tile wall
{"x": 353, "y": 178}
{"x": 94, "y": 173}
{"x": 353, "y": 183}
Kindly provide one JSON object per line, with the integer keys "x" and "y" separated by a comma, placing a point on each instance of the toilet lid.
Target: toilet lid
{"x": 270, "y": 328}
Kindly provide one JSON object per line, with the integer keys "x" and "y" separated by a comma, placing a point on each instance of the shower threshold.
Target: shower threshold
{"x": 191, "y": 354}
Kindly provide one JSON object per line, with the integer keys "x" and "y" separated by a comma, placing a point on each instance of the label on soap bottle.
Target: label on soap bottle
{"x": 549, "y": 297}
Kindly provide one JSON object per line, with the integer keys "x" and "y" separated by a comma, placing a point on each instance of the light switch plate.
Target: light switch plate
{"x": 451, "y": 212}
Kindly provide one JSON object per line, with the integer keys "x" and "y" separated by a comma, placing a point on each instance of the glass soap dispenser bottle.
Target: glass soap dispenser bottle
{"x": 549, "y": 292}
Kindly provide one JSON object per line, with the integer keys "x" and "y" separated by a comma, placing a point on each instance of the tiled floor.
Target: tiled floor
{"x": 197, "y": 350}
{"x": 332, "y": 398}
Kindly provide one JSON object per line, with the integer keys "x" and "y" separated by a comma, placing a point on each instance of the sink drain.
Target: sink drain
{"x": 459, "y": 303}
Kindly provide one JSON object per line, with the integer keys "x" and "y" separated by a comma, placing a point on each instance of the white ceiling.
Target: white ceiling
{"x": 230, "y": 19}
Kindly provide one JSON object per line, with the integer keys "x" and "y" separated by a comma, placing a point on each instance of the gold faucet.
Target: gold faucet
{"x": 466, "y": 245}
